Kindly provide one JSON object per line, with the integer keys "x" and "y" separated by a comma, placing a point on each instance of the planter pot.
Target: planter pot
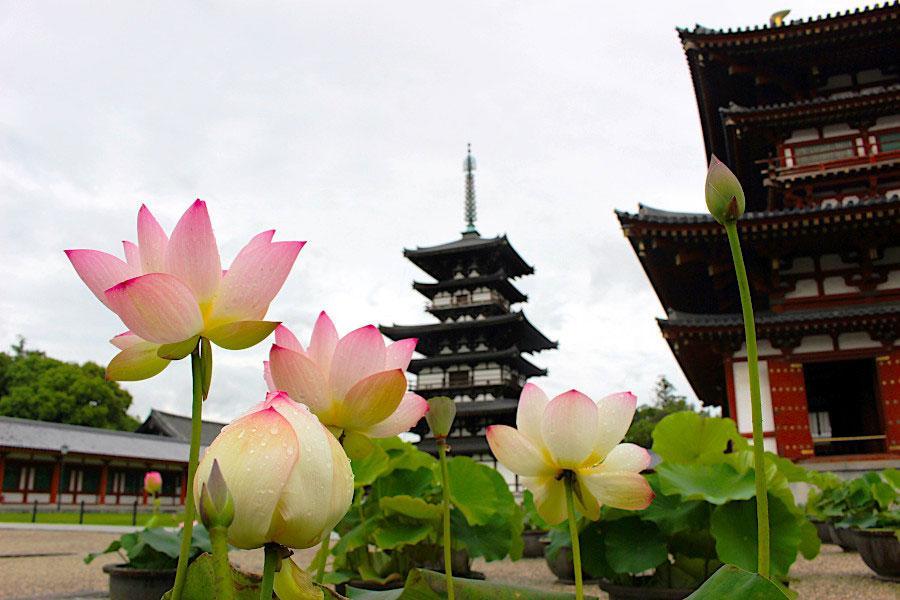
{"x": 563, "y": 567}
{"x": 843, "y": 537}
{"x": 533, "y": 546}
{"x": 627, "y": 592}
{"x": 126, "y": 583}
{"x": 823, "y": 530}
{"x": 459, "y": 562}
{"x": 880, "y": 550}
{"x": 359, "y": 584}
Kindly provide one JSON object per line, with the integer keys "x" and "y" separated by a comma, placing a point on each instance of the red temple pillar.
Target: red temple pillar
{"x": 889, "y": 391}
{"x": 104, "y": 477}
{"x": 54, "y": 481}
{"x": 184, "y": 484}
{"x": 789, "y": 409}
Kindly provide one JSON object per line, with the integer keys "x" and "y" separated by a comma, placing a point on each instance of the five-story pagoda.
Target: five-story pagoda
{"x": 473, "y": 354}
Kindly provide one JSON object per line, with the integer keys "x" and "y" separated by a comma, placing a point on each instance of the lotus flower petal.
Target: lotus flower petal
{"x": 517, "y": 453}
{"x": 323, "y": 342}
{"x": 399, "y": 354}
{"x": 241, "y": 447}
{"x": 410, "y": 411}
{"x": 192, "y": 254}
{"x": 132, "y": 256}
{"x": 99, "y": 270}
{"x": 136, "y": 362}
{"x": 286, "y": 339}
{"x": 296, "y": 374}
{"x": 152, "y": 241}
{"x": 157, "y": 307}
{"x": 626, "y": 457}
{"x": 301, "y": 511}
{"x": 373, "y": 399}
{"x": 253, "y": 280}
{"x": 614, "y": 413}
{"x": 125, "y": 340}
{"x": 549, "y": 498}
{"x": 570, "y": 428}
{"x": 357, "y": 355}
{"x": 619, "y": 489}
{"x": 267, "y": 376}
{"x": 530, "y": 414}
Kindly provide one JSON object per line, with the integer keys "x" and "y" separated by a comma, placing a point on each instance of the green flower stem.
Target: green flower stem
{"x": 445, "y": 503}
{"x": 189, "y": 508}
{"x": 218, "y": 538}
{"x": 322, "y": 558}
{"x": 273, "y": 559}
{"x": 573, "y": 533}
{"x": 759, "y": 460}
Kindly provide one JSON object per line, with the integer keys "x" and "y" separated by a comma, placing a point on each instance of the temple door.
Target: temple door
{"x": 789, "y": 409}
{"x": 889, "y": 390}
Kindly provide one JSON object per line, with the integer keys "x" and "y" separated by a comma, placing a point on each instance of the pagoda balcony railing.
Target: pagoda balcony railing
{"x": 824, "y": 154}
{"x": 449, "y": 383}
{"x": 467, "y": 302}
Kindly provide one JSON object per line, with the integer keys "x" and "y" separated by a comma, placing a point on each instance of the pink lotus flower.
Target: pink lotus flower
{"x": 152, "y": 482}
{"x": 173, "y": 289}
{"x": 574, "y": 433}
{"x": 289, "y": 477}
{"x": 353, "y": 384}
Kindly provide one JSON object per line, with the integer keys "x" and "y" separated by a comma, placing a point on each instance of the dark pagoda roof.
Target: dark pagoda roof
{"x": 511, "y": 356}
{"x": 820, "y": 110}
{"x": 528, "y": 337}
{"x": 460, "y": 446}
{"x": 498, "y": 281}
{"x": 428, "y": 258}
{"x": 758, "y": 221}
{"x": 178, "y": 427}
{"x": 795, "y": 30}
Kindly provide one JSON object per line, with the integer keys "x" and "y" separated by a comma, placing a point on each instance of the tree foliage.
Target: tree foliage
{"x": 666, "y": 402}
{"x": 35, "y": 386}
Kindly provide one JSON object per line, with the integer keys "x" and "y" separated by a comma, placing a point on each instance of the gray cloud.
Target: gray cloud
{"x": 346, "y": 126}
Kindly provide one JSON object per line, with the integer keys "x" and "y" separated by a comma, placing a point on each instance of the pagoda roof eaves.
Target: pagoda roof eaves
{"x": 875, "y": 95}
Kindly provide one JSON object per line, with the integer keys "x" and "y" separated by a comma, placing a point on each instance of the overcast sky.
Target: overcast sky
{"x": 345, "y": 124}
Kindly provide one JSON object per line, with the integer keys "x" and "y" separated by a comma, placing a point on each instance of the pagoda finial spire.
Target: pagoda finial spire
{"x": 471, "y": 213}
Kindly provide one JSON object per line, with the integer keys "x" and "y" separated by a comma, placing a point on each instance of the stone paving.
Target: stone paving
{"x": 834, "y": 575}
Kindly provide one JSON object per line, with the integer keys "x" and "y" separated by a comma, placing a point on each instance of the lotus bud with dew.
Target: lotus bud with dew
{"x": 440, "y": 415}
{"x": 215, "y": 504}
{"x": 171, "y": 290}
{"x": 724, "y": 194}
{"x": 152, "y": 482}
{"x": 354, "y": 384}
{"x": 289, "y": 478}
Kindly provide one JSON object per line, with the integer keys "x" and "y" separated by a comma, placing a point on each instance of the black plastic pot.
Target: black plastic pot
{"x": 843, "y": 537}
{"x": 127, "y": 583}
{"x": 628, "y": 592}
{"x": 880, "y": 550}
{"x": 359, "y": 584}
{"x": 533, "y": 546}
{"x": 563, "y": 566}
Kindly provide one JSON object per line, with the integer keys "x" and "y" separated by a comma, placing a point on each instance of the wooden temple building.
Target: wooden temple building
{"x": 473, "y": 353}
{"x": 807, "y": 114}
{"x": 64, "y": 465}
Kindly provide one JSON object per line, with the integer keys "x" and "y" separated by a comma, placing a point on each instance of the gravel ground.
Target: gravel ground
{"x": 834, "y": 575}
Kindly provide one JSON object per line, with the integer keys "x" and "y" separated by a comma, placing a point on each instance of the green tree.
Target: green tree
{"x": 35, "y": 386}
{"x": 666, "y": 401}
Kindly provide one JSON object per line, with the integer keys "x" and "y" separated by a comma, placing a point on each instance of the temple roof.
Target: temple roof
{"x": 178, "y": 427}
{"x": 431, "y": 258}
{"x": 816, "y": 111}
{"x": 801, "y": 216}
{"x": 45, "y": 436}
{"x": 497, "y": 281}
{"x": 511, "y": 356}
{"x": 802, "y": 29}
{"x": 734, "y": 321}
{"x": 524, "y": 335}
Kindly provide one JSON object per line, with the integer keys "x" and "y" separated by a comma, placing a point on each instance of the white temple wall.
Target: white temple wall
{"x": 742, "y": 397}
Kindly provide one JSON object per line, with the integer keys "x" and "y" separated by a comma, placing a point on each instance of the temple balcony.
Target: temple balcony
{"x": 847, "y": 152}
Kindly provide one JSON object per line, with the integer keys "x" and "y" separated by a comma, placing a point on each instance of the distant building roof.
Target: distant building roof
{"x": 508, "y": 259}
{"x": 178, "y": 427}
{"x": 26, "y": 434}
